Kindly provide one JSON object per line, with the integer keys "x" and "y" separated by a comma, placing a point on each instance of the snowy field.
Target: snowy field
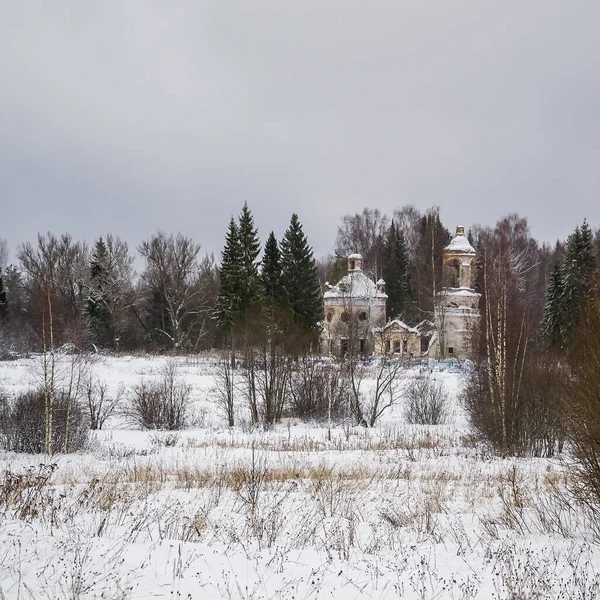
{"x": 396, "y": 511}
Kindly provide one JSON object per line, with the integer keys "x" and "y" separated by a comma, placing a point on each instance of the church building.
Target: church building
{"x": 355, "y": 312}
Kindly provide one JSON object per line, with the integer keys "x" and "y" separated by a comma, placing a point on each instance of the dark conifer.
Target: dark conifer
{"x": 396, "y": 274}
{"x": 271, "y": 272}
{"x": 3, "y": 301}
{"x": 96, "y": 307}
{"x": 579, "y": 272}
{"x": 553, "y": 317}
{"x": 249, "y": 249}
{"x": 228, "y": 309}
{"x": 300, "y": 278}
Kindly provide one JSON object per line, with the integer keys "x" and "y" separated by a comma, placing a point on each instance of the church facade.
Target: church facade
{"x": 355, "y": 312}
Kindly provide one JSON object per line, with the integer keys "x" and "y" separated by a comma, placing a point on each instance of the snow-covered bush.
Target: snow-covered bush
{"x": 162, "y": 404}
{"x": 23, "y": 423}
{"x": 318, "y": 391}
{"x": 426, "y": 401}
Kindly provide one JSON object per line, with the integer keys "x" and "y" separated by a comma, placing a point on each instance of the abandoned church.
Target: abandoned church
{"x": 355, "y": 312}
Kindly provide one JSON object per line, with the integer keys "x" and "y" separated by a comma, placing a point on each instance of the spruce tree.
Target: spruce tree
{"x": 553, "y": 316}
{"x": 300, "y": 278}
{"x": 228, "y": 308}
{"x": 249, "y": 248}
{"x": 579, "y": 272}
{"x": 396, "y": 274}
{"x": 587, "y": 255}
{"x": 271, "y": 273}
{"x": 97, "y": 312}
{"x": 434, "y": 237}
{"x": 3, "y": 301}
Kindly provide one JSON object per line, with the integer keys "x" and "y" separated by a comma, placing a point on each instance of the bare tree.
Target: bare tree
{"x": 57, "y": 266}
{"x": 3, "y": 254}
{"x": 408, "y": 221}
{"x": 100, "y": 402}
{"x": 364, "y": 233}
{"x": 497, "y": 395}
{"x": 225, "y": 388}
{"x": 173, "y": 295}
{"x": 388, "y": 384}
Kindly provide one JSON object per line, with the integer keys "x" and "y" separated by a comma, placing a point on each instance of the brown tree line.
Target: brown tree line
{"x": 98, "y": 301}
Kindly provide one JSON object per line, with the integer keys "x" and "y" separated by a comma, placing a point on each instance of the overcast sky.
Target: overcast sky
{"x": 127, "y": 117}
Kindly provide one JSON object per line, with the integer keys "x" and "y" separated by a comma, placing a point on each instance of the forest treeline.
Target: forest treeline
{"x": 186, "y": 301}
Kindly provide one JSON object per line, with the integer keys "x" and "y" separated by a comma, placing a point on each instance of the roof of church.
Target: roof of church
{"x": 460, "y": 244}
{"x": 356, "y": 284}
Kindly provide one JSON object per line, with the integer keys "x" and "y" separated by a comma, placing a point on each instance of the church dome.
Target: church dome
{"x": 460, "y": 244}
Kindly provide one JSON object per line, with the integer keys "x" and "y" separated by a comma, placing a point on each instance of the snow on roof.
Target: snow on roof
{"x": 398, "y": 323}
{"x": 356, "y": 256}
{"x": 460, "y": 244}
{"x": 380, "y": 282}
{"x": 463, "y": 291}
{"x": 356, "y": 284}
{"x": 425, "y": 327}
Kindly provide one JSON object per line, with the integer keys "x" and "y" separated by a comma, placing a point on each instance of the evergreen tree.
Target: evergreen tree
{"x": 228, "y": 308}
{"x": 579, "y": 273}
{"x": 300, "y": 278}
{"x": 553, "y": 317}
{"x": 96, "y": 307}
{"x": 587, "y": 255}
{"x": 396, "y": 273}
{"x": 3, "y": 300}
{"x": 434, "y": 237}
{"x": 249, "y": 248}
{"x": 271, "y": 273}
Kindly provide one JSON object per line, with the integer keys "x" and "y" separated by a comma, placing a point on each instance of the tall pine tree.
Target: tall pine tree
{"x": 228, "y": 309}
{"x": 249, "y": 248}
{"x": 300, "y": 278}
{"x": 396, "y": 273}
{"x": 270, "y": 276}
{"x": 434, "y": 237}
{"x": 239, "y": 297}
{"x": 3, "y": 301}
{"x": 578, "y": 275}
{"x": 97, "y": 312}
{"x": 553, "y": 317}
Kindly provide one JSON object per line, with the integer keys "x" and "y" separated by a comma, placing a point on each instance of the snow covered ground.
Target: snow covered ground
{"x": 397, "y": 511}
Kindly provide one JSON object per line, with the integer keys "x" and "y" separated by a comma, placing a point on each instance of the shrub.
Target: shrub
{"x": 100, "y": 403}
{"x": 162, "y": 404}
{"x": 317, "y": 391}
{"x": 23, "y": 423}
{"x": 581, "y": 409}
{"x": 528, "y": 421}
{"x": 426, "y": 401}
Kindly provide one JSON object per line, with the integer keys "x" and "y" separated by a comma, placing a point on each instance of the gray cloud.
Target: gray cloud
{"x": 132, "y": 116}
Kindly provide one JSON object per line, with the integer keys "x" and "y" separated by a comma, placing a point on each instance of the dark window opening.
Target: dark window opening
{"x": 405, "y": 346}
{"x": 388, "y": 346}
{"x": 450, "y": 350}
{"x": 362, "y": 316}
{"x": 343, "y": 347}
{"x": 397, "y": 347}
{"x": 362, "y": 346}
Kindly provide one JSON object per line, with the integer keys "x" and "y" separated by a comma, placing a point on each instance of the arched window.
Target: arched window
{"x": 452, "y": 273}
